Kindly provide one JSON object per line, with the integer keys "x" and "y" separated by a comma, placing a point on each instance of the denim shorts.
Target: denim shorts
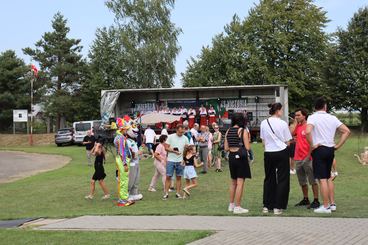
{"x": 174, "y": 166}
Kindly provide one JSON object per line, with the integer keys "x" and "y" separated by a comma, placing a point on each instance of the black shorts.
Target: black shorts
{"x": 239, "y": 166}
{"x": 323, "y": 158}
{"x": 292, "y": 149}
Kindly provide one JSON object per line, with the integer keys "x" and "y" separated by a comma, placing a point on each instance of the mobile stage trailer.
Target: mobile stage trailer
{"x": 227, "y": 99}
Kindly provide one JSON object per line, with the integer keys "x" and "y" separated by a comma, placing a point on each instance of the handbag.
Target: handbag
{"x": 243, "y": 152}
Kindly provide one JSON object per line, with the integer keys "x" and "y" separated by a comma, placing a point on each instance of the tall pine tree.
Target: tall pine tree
{"x": 62, "y": 69}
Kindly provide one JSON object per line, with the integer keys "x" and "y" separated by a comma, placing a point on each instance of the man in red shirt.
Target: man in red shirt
{"x": 303, "y": 161}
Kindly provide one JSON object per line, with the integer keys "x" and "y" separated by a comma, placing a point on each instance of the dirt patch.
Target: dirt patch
{"x": 23, "y": 139}
{"x": 17, "y": 165}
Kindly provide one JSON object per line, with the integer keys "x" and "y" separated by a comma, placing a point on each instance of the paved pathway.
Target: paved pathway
{"x": 234, "y": 230}
{"x": 16, "y": 165}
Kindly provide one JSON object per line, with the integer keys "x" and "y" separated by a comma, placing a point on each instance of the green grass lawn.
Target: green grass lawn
{"x": 60, "y": 193}
{"x": 20, "y": 236}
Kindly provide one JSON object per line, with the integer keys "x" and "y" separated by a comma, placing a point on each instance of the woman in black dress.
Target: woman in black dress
{"x": 99, "y": 174}
{"x": 237, "y": 144}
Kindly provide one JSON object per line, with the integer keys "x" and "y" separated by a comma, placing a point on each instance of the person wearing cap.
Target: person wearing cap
{"x": 122, "y": 159}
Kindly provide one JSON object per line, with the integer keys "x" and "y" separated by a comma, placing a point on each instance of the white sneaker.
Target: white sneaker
{"x": 240, "y": 210}
{"x": 265, "y": 210}
{"x": 131, "y": 198}
{"x": 138, "y": 197}
{"x": 151, "y": 189}
{"x": 90, "y": 197}
{"x": 277, "y": 211}
{"x": 292, "y": 171}
{"x": 105, "y": 197}
{"x": 333, "y": 207}
{"x": 322, "y": 210}
{"x": 231, "y": 207}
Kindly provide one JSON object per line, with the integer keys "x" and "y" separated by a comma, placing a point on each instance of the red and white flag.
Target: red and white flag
{"x": 34, "y": 70}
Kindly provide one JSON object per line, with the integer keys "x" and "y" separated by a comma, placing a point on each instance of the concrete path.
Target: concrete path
{"x": 234, "y": 230}
{"x": 16, "y": 165}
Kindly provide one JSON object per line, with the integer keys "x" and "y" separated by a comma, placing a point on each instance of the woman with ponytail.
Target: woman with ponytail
{"x": 275, "y": 137}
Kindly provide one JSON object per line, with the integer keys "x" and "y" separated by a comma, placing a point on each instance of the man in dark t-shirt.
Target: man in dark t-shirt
{"x": 89, "y": 142}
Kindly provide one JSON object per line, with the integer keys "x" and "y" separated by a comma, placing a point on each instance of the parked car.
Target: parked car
{"x": 81, "y": 128}
{"x": 64, "y": 136}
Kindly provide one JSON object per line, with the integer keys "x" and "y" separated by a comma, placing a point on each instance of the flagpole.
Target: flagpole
{"x": 31, "y": 135}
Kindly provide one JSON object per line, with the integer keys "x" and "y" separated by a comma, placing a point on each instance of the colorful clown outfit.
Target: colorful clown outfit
{"x": 122, "y": 158}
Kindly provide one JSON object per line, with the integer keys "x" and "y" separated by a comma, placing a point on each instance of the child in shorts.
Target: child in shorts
{"x": 190, "y": 162}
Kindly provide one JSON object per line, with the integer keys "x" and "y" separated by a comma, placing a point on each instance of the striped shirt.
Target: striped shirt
{"x": 233, "y": 138}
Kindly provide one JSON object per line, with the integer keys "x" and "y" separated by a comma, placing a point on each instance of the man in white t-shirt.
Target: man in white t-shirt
{"x": 150, "y": 139}
{"x": 320, "y": 132}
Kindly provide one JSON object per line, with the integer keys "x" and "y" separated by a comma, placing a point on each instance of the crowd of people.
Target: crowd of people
{"x": 179, "y": 154}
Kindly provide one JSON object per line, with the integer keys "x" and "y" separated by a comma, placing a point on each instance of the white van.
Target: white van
{"x": 81, "y": 128}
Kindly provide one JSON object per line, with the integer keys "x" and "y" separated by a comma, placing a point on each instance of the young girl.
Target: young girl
{"x": 190, "y": 175}
{"x": 160, "y": 164}
{"x": 99, "y": 174}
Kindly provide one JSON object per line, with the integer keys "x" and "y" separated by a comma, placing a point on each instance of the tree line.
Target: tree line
{"x": 279, "y": 42}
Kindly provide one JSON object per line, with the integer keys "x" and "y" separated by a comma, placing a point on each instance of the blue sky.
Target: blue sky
{"x": 23, "y": 23}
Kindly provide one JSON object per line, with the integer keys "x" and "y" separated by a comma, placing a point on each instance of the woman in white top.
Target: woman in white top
{"x": 167, "y": 110}
{"x": 183, "y": 112}
{"x": 275, "y": 136}
{"x": 191, "y": 119}
{"x": 203, "y": 111}
{"x": 203, "y": 115}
